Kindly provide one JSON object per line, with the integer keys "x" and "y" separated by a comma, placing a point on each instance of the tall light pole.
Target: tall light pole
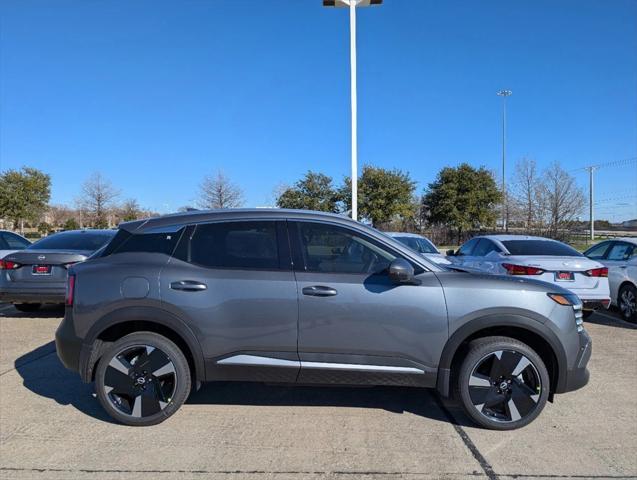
{"x": 352, "y": 4}
{"x": 591, "y": 198}
{"x": 505, "y": 207}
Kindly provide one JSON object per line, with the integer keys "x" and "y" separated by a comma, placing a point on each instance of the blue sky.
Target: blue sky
{"x": 156, "y": 94}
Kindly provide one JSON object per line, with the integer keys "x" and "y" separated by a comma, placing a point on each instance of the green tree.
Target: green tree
{"x": 462, "y": 197}
{"x": 314, "y": 191}
{"x": 24, "y": 195}
{"x": 71, "y": 224}
{"x": 383, "y": 195}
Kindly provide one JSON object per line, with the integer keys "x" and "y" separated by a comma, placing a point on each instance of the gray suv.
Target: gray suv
{"x": 309, "y": 298}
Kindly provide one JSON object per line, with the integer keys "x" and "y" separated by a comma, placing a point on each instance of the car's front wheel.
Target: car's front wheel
{"x": 142, "y": 379}
{"x": 627, "y": 302}
{"x": 503, "y": 384}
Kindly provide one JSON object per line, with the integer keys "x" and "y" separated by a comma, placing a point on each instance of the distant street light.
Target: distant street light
{"x": 352, "y": 4}
{"x": 505, "y": 207}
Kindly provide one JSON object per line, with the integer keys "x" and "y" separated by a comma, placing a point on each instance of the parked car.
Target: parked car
{"x": 539, "y": 258}
{"x": 420, "y": 244}
{"x": 303, "y": 297}
{"x": 620, "y": 257}
{"x": 11, "y": 242}
{"x": 37, "y": 274}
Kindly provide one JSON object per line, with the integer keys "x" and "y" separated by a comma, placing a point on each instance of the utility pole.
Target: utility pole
{"x": 591, "y": 169}
{"x": 505, "y": 206}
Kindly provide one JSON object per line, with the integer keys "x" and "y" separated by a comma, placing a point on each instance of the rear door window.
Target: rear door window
{"x": 242, "y": 245}
{"x": 467, "y": 247}
{"x": 484, "y": 248}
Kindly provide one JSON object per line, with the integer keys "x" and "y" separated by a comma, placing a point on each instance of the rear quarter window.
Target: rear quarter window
{"x": 125, "y": 242}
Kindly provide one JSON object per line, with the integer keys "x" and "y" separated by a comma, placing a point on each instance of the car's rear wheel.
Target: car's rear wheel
{"x": 27, "y": 307}
{"x": 627, "y": 302}
{"x": 142, "y": 379}
{"x": 503, "y": 384}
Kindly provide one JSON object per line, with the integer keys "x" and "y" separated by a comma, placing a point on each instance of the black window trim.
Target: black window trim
{"x": 299, "y": 260}
{"x": 283, "y": 245}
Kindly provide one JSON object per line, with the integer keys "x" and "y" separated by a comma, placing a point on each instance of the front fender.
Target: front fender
{"x": 443, "y": 384}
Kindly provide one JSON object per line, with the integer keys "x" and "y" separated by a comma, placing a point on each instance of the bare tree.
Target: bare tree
{"x": 219, "y": 191}
{"x": 97, "y": 198}
{"x": 563, "y": 199}
{"x": 526, "y": 193}
{"x": 130, "y": 210}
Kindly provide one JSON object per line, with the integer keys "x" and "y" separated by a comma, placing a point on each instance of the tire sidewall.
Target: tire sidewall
{"x": 633, "y": 318}
{"x": 183, "y": 383}
{"x": 477, "y": 352}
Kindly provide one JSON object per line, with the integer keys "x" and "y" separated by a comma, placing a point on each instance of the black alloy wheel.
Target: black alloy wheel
{"x": 504, "y": 384}
{"x": 627, "y": 302}
{"x": 143, "y": 379}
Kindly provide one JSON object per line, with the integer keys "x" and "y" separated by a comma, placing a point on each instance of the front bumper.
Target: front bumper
{"x": 33, "y": 295}
{"x": 578, "y": 376}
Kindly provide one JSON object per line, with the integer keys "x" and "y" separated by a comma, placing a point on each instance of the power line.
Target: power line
{"x": 616, "y": 163}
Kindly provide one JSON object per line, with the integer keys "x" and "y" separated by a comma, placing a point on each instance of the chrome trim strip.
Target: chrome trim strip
{"x": 355, "y": 366}
{"x": 257, "y": 361}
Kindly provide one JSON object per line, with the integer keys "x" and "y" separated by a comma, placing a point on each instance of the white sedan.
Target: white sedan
{"x": 420, "y": 244}
{"x": 11, "y": 242}
{"x": 620, "y": 257}
{"x": 541, "y": 259}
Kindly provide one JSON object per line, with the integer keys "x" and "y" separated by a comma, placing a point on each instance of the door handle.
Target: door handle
{"x": 188, "y": 286}
{"x": 319, "y": 291}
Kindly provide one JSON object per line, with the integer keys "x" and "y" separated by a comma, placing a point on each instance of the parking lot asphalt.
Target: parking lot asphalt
{"x": 51, "y": 426}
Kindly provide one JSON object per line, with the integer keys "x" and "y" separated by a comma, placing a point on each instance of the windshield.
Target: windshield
{"x": 420, "y": 245}
{"x": 73, "y": 241}
{"x": 540, "y": 247}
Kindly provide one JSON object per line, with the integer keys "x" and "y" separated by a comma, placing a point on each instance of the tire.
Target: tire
{"x": 627, "y": 303}
{"x": 142, "y": 379}
{"x": 502, "y": 383}
{"x": 27, "y": 307}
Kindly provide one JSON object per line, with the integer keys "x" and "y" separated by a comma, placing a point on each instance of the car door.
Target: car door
{"x": 464, "y": 256}
{"x": 616, "y": 259}
{"x": 355, "y": 326}
{"x": 486, "y": 256}
{"x": 233, "y": 283}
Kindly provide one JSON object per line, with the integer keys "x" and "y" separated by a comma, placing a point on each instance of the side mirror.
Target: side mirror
{"x": 401, "y": 271}
{"x": 451, "y": 253}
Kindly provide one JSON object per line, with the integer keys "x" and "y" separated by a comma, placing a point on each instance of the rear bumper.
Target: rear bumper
{"x": 33, "y": 295}
{"x": 595, "y": 304}
{"x": 68, "y": 345}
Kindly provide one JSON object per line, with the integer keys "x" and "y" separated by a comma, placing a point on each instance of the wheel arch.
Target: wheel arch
{"x": 525, "y": 329}
{"x": 121, "y": 322}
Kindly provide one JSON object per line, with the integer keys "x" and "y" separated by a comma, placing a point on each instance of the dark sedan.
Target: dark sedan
{"x": 37, "y": 274}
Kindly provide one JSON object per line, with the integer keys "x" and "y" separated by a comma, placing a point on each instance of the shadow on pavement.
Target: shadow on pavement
{"x": 46, "y": 311}
{"x": 604, "y": 319}
{"x": 43, "y": 374}
{"x": 417, "y": 401}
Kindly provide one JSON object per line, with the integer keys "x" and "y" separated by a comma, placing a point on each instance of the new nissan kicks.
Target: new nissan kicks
{"x": 309, "y": 298}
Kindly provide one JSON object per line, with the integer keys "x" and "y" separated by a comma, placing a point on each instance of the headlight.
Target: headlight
{"x": 572, "y": 300}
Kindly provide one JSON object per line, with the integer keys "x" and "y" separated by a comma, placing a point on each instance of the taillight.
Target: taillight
{"x": 8, "y": 265}
{"x": 522, "y": 269}
{"x": 70, "y": 290}
{"x": 597, "y": 272}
